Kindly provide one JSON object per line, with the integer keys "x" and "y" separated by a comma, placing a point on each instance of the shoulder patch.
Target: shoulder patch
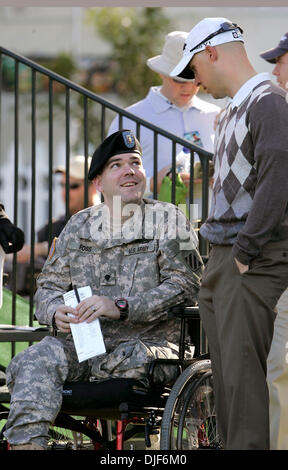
{"x": 52, "y": 248}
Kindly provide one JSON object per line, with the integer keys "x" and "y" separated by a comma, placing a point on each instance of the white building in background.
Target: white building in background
{"x": 45, "y": 32}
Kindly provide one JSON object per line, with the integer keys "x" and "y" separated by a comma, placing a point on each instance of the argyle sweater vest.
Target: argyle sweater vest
{"x": 236, "y": 163}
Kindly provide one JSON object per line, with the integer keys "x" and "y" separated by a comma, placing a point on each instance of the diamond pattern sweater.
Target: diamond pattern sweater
{"x": 250, "y": 192}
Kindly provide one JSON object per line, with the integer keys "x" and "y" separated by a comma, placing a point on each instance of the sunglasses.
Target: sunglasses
{"x": 227, "y": 26}
{"x": 71, "y": 185}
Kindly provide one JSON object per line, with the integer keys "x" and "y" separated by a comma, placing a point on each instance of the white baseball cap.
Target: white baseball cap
{"x": 171, "y": 54}
{"x": 208, "y": 32}
{"x": 76, "y": 167}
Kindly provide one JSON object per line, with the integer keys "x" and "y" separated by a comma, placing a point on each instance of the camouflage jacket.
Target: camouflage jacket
{"x": 150, "y": 269}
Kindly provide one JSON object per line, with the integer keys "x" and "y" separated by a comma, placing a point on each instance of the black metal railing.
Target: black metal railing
{"x": 34, "y": 99}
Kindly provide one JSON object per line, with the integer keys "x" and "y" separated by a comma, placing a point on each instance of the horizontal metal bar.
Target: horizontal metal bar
{"x": 106, "y": 103}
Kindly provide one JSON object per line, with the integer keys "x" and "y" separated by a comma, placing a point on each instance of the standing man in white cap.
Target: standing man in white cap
{"x": 247, "y": 227}
{"x": 277, "y": 363}
{"x": 174, "y": 107}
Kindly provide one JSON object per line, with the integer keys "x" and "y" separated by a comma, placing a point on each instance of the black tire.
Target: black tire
{"x": 74, "y": 433}
{"x": 189, "y": 419}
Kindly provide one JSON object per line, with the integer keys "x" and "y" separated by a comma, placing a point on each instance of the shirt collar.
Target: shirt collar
{"x": 160, "y": 103}
{"x": 248, "y": 86}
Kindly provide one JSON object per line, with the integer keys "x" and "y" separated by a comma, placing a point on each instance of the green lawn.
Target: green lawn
{"x": 22, "y": 318}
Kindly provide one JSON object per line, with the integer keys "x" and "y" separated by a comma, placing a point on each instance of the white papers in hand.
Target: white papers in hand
{"x": 88, "y": 338}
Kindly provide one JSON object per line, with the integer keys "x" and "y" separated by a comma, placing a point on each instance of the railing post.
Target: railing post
{"x": 155, "y": 165}
{"x": 33, "y": 187}
{"x": 85, "y": 120}
{"x": 50, "y": 159}
{"x": 16, "y": 165}
{"x": 191, "y": 185}
{"x": 103, "y": 121}
{"x": 67, "y": 136}
{"x": 173, "y": 170}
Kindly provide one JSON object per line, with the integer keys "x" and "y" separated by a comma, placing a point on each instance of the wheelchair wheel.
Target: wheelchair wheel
{"x": 189, "y": 419}
{"x": 76, "y": 434}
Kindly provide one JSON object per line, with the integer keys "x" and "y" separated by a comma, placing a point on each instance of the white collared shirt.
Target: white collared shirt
{"x": 248, "y": 86}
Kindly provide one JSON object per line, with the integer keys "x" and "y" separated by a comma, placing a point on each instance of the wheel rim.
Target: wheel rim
{"x": 194, "y": 424}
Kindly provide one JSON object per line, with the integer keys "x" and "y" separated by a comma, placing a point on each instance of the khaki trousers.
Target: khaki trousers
{"x": 238, "y": 315}
{"x": 277, "y": 377}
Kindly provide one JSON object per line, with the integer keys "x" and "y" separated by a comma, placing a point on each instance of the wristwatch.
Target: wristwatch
{"x": 122, "y": 305}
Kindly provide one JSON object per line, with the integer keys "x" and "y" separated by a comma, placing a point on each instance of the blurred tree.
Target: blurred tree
{"x": 135, "y": 34}
{"x": 64, "y": 64}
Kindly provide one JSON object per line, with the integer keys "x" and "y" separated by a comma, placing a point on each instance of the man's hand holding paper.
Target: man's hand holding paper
{"x": 95, "y": 307}
{"x": 62, "y": 319}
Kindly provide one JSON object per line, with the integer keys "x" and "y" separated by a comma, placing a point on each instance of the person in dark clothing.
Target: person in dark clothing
{"x": 11, "y": 237}
{"x": 277, "y": 364}
{"x": 11, "y": 240}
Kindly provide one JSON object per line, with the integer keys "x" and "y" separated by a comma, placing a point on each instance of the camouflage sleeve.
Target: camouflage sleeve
{"x": 180, "y": 266}
{"x": 54, "y": 280}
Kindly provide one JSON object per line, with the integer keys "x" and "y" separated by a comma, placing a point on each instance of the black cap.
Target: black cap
{"x": 272, "y": 54}
{"x": 123, "y": 141}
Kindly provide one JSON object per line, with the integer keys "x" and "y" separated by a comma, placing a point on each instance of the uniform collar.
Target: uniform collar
{"x": 95, "y": 230}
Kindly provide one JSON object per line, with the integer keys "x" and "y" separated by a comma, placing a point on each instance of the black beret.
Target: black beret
{"x": 123, "y": 141}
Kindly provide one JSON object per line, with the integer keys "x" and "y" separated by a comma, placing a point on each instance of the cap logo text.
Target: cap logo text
{"x": 236, "y": 34}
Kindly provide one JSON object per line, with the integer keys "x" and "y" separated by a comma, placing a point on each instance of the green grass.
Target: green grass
{"x": 22, "y": 318}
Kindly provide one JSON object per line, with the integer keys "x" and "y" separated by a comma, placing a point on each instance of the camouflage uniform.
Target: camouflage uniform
{"x": 150, "y": 270}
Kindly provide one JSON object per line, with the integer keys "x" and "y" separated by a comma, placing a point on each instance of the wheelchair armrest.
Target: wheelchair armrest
{"x": 190, "y": 322}
{"x": 184, "y": 311}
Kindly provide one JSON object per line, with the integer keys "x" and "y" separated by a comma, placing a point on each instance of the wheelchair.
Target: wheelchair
{"x": 110, "y": 414}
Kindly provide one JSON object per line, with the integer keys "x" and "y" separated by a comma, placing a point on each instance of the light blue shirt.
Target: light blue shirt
{"x": 194, "y": 123}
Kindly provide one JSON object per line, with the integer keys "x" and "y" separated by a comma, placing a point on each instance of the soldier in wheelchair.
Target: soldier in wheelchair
{"x": 138, "y": 267}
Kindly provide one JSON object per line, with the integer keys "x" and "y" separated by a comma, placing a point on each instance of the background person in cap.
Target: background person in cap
{"x": 277, "y": 364}
{"x": 247, "y": 227}
{"x": 134, "y": 281}
{"x": 174, "y": 107}
{"x": 76, "y": 203}
{"x": 279, "y": 56}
